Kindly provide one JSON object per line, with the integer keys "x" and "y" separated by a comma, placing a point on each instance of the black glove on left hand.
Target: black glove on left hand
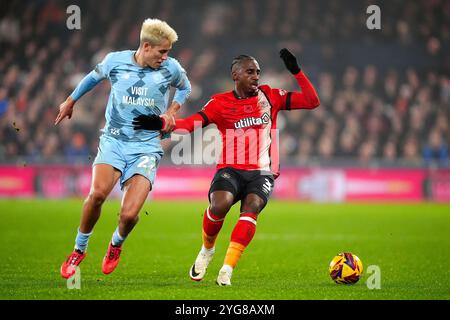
{"x": 290, "y": 61}
{"x": 151, "y": 122}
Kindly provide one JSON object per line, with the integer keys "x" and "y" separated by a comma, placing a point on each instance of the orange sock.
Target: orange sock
{"x": 241, "y": 236}
{"x": 208, "y": 241}
{"x": 234, "y": 253}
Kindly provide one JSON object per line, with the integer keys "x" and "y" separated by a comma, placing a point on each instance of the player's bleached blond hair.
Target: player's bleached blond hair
{"x": 155, "y": 31}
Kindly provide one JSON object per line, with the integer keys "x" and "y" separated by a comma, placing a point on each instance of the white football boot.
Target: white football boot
{"x": 198, "y": 269}
{"x": 224, "y": 277}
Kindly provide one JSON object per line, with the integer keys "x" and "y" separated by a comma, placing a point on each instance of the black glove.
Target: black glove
{"x": 290, "y": 61}
{"x": 151, "y": 122}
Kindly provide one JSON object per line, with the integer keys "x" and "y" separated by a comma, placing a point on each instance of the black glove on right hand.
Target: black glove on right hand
{"x": 290, "y": 61}
{"x": 151, "y": 122}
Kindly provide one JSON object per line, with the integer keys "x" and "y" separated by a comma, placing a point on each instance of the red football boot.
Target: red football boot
{"x": 69, "y": 266}
{"x": 111, "y": 259}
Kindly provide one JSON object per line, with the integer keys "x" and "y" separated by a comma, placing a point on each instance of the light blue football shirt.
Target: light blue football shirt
{"x": 134, "y": 91}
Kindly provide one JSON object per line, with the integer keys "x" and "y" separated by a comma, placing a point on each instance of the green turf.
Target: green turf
{"x": 288, "y": 258}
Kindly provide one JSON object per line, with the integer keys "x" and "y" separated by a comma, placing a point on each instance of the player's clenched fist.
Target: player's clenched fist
{"x": 290, "y": 61}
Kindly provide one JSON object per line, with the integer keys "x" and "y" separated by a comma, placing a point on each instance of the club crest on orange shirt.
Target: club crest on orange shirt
{"x": 248, "y": 109}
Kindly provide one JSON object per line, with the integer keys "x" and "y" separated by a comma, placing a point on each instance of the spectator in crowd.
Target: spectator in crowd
{"x": 435, "y": 151}
{"x": 411, "y": 153}
{"x": 3, "y": 101}
{"x": 390, "y": 152}
{"x": 77, "y": 151}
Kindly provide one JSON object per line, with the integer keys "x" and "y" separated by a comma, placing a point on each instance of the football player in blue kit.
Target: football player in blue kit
{"x": 140, "y": 85}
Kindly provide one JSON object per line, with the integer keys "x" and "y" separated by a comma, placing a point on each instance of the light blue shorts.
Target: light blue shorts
{"x": 129, "y": 157}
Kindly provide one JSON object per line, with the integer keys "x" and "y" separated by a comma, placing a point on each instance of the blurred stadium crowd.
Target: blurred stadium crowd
{"x": 385, "y": 93}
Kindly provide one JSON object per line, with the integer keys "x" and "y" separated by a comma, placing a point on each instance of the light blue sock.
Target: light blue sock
{"x": 81, "y": 241}
{"x": 117, "y": 239}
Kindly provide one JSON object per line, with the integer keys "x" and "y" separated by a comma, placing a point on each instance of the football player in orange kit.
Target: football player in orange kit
{"x": 246, "y": 118}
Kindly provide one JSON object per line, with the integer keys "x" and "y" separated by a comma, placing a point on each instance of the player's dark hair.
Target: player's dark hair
{"x": 239, "y": 59}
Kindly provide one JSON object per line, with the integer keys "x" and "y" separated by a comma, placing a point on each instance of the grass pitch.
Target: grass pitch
{"x": 288, "y": 258}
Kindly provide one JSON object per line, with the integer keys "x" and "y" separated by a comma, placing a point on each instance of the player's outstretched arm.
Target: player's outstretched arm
{"x": 66, "y": 108}
{"x": 155, "y": 122}
{"x": 308, "y": 98}
{"x": 190, "y": 123}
